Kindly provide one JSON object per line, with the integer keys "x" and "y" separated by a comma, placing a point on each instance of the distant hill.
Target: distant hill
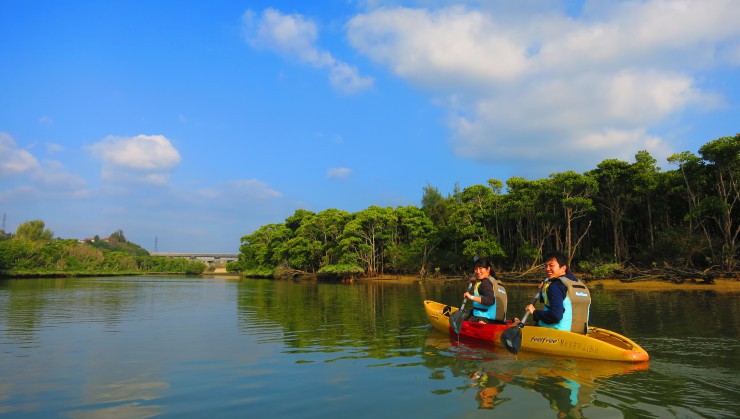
{"x": 117, "y": 242}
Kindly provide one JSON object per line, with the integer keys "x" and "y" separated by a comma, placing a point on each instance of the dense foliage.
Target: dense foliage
{"x": 618, "y": 213}
{"x": 33, "y": 250}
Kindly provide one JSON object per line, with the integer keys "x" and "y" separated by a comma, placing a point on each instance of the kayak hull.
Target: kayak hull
{"x": 598, "y": 343}
{"x": 533, "y": 365}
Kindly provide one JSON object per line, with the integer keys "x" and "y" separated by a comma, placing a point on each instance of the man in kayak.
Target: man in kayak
{"x": 488, "y": 297}
{"x": 567, "y": 300}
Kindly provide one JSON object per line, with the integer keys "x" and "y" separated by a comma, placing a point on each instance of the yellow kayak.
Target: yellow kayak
{"x": 532, "y": 365}
{"x": 598, "y": 343}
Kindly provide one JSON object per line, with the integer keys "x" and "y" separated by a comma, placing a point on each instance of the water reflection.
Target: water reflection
{"x": 568, "y": 385}
{"x": 123, "y": 399}
{"x": 489, "y": 386}
{"x": 173, "y": 347}
{"x": 359, "y": 320}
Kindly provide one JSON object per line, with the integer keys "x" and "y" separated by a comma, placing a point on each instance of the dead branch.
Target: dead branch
{"x": 664, "y": 273}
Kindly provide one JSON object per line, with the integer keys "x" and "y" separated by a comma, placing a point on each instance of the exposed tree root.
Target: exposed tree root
{"x": 665, "y": 273}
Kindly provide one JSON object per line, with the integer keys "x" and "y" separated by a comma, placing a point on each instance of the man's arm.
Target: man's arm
{"x": 556, "y": 294}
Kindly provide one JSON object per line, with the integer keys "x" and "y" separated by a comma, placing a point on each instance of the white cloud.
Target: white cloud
{"x": 54, "y": 177}
{"x": 14, "y": 160}
{"x": 143, "y": 158}
{"x": 338, "y": 172}
{"x": 33, "y": 179}
{"x": 254, "y": 188}
{"x": 295, "y": 36}
{"x": 432, "y": 46}
{"x": 142, "y": 152}
{"x": 241, "y": 191}
{"x": 613, "y": 139}
{"x": 53, "y": 148}
{"x": 593, "y": 85}
{"x": 655, "y": 33}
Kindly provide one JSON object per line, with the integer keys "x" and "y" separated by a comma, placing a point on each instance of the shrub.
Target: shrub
{"x": 605, "y": 270}
{"x": 340, "y": 271}
{"x": 259, "y": 272}
{"x": 235, "y": 266}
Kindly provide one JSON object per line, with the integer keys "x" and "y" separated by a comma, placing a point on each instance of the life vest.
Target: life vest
{"x": 576, "y": 306}
{"x": 497, "y": 311}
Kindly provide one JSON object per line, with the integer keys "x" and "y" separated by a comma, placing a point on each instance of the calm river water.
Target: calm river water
{"x": 181, "y": 347}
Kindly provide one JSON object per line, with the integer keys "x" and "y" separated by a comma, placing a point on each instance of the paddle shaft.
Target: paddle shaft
{"x": 512, "y": 337}
{"x": 465, "y": 300}
{"x": 534, "y": 301}
{"x": 456, "y": 317}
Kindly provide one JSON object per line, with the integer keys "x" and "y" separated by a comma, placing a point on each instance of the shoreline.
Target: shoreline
{"x": 719, "y": 285}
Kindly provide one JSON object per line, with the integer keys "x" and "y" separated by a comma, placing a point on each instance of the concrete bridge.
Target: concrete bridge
{"x": 208, "y": 258}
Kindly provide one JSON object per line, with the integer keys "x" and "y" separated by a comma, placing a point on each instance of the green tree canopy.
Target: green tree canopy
{"x": 34, "y": 230}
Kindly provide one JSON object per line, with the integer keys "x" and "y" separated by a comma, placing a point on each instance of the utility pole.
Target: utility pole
{"x": 3, "y": 229}
{"x": 156, "y": 240}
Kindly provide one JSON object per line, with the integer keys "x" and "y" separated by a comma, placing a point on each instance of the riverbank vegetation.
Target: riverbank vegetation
{"x": 34, "y": 252}
{"x": 619, "y": 219}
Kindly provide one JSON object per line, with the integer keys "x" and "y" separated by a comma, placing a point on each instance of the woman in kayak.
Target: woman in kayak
{"x": 567, "y": 300}
{"x": 488, "y": 297}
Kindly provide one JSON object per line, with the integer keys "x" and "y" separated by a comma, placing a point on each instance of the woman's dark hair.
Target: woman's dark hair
{"x": 484, "y": 263}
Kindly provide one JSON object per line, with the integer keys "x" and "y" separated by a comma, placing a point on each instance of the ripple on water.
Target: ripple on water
{"x": 683, "y": 381}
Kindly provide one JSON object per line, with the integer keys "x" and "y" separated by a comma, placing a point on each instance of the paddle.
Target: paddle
{"x": 512, "y": 337}
{"x": 456, "y": 318}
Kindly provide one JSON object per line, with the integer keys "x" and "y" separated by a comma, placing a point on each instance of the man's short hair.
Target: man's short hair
{"x": 558, "y": 256}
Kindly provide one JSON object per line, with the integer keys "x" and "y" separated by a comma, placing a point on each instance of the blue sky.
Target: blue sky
{"x": 195, "y": 123}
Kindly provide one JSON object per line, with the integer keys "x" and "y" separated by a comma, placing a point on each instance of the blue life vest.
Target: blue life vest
{"x": 576, "y": 306}
{"x": 497, "y": 311}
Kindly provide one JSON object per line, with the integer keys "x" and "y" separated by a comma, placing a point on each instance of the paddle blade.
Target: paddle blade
{"x": 456, "y": 320}
{"x": 512, "y": 339}
{"x": 457, "y": 317}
